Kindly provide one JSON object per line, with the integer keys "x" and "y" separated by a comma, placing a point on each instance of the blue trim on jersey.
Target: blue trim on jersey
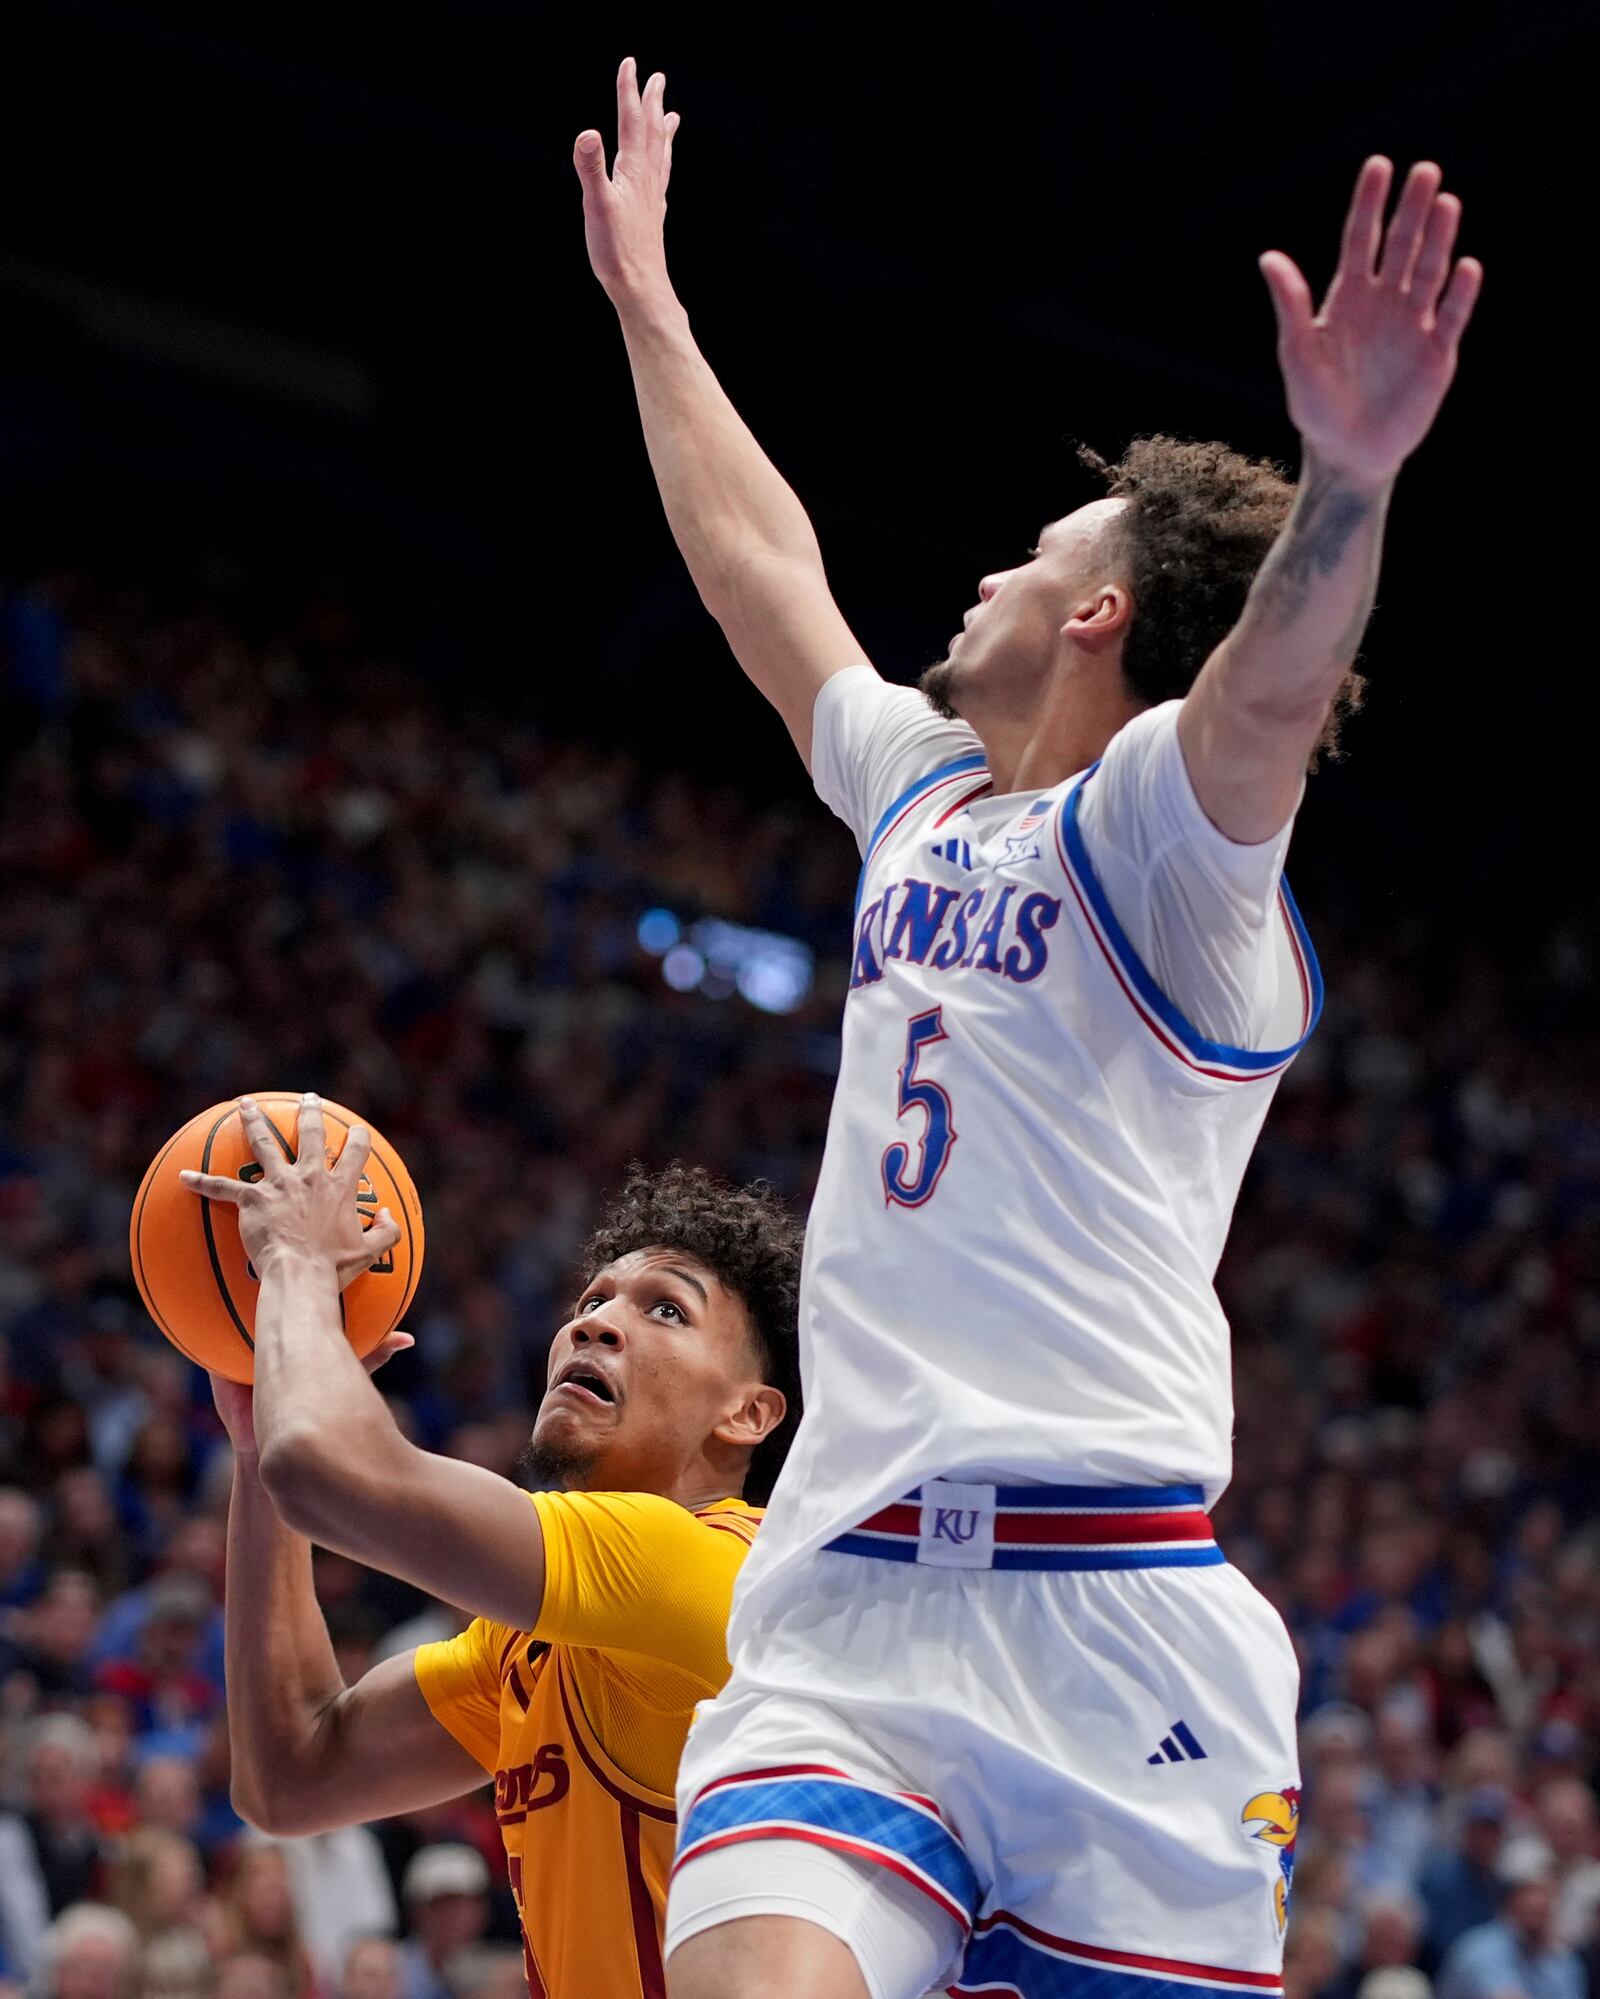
{"x": 1114, "y": 1498}
{"x": 895, "y": 1548}
{"x": 1000, "y": 1961}
{"x": 851, "y": 1811}
{"x": 974, "y": 762}
{"x": 1193, "y": 1041}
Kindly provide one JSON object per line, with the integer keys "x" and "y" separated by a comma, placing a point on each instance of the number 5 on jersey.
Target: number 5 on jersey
{"x": 912, "y": 1188}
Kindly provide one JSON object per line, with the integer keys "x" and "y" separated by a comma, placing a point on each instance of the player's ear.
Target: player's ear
{"x": 757, "y": 1416}
{"x": 1101, "y": 619}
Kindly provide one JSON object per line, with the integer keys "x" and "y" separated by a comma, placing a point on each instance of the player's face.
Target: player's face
{"x": 655, "y": 1356}
{"x": 1010, "y": 640}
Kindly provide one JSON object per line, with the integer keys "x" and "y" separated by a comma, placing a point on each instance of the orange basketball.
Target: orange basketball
{"x": 188, "y": 1261}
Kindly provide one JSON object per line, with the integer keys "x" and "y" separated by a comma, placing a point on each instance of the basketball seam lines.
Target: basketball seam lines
{"x": 211, "y": 1241}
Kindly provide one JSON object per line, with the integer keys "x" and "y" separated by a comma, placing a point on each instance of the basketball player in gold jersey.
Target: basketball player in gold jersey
{"x": 601, "y": 1608}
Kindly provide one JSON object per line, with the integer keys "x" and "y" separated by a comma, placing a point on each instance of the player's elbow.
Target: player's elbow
{"x": 309, "y": 1479}
{"x": 258, "y": 1812}
{"x": 283, "y": 1807}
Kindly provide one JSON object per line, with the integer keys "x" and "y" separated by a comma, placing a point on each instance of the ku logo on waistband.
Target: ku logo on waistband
{"x": 955, "y": 1523}
{"x": 1276, "y": 1816}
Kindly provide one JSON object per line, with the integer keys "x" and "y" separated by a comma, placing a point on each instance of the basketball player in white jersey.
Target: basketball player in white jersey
{"x": 1002, "y": 1718}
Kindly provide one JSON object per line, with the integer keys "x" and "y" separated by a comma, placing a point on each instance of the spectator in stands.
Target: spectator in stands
{"x": 217, "y": 1824}
{"x": 1458, "y": 1883}
{"x": 1564, "y": 1812}
{"x": 445, "y": 1891}
{"x": 50, "y": 1851}
{"x": 1395, "y": 1981}
{"x": 251, "y": 1974}
{"x": 1312, "y": 1953}
{"x": 163, "y": 1682}
{"x": 110, "y": 1799}
{"x": 341, "y": 1891}
{"x": 166, "y": 1792}
{"x": 157, "y": 1482}
{"x": 1390, "y": 1929}
{"x": 90, "y": 1952}
{"x": 21, "y": 1572}
{"x": 193, "y": 1552}
{"x": 258, "y": 1917}
{"x": 1336, "y": 1818}
{"x": 51, "y": 1639}
{"x": 490, "y": 1971}
{"x": 85, "y": 1533}
{"x": 1518, "y": 1953}
{"x": 372, "y": 1970}
{"x": 176, "y": 1964}
{"x": 159, "y": 1884}
{"x": 1402, "y": 1797}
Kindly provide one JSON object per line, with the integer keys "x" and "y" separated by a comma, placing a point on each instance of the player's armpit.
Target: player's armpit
{"x": 377, "y": 1750}
{"x": 459, "y": 1532}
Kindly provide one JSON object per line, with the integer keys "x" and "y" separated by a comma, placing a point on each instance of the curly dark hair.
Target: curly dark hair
{"x": 748, "y": 1239}
{"x": 1199, "y": 521}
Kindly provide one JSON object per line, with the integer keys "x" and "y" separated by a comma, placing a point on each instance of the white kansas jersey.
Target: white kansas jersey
{"x": 1067, "y": 1012}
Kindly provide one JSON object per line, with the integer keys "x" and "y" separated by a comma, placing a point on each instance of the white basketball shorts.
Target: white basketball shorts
{"x": 1054, "y": 1711}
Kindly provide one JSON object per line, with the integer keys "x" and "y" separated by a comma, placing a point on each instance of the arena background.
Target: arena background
{"x": 360, "y": 730}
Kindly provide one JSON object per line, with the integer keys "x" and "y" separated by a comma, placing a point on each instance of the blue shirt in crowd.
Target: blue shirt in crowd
{"x": 1490, "y": 1963}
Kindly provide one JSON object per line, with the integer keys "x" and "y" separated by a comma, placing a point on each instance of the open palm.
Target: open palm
{"x": 1367, "y": 373}
{"x": 624, "y": 212}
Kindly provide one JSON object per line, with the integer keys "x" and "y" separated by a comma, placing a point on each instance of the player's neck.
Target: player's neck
{"x": 696, "y": 1494}
{"x": 1080, "y": 708}
{"x": 694, "y": 1487}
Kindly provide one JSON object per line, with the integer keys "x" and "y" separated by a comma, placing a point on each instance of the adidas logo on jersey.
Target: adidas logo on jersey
{"x": 1178, "y": 1747}
{"x": 958, "y": 851}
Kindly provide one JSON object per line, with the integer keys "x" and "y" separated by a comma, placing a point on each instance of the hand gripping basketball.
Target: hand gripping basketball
{"x": 225, "y": 1199}
{"x": 305, "y": 1206}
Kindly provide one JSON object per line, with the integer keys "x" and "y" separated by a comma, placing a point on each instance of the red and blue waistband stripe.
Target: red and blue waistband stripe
{"x": 821, "y": 1806}
{"x": 1008, "y": 1958}
{"x": 1064, "y": 1527}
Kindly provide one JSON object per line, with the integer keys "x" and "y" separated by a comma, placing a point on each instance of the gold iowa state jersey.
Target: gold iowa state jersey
{"x": 581, "y": 1722}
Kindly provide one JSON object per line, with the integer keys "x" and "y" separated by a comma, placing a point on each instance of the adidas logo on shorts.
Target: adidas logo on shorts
{"x": 1179, "y": 1747}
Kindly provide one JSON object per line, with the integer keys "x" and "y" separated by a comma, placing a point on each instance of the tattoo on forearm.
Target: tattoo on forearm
{"x": 1325, "y": 519}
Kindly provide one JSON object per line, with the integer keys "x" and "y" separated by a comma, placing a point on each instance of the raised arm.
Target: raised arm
{"x": 308, "y": 1751}
{"x": 1365, "y": 377}
{"x": 750, "y": 547}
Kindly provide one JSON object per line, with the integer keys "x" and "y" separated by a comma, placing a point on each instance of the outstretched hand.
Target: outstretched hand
{"x": 624, "y": 213}
{"x": 1367, "y": 373}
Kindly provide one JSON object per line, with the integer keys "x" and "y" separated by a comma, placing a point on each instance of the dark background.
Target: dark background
{"x": 308, "y": 295}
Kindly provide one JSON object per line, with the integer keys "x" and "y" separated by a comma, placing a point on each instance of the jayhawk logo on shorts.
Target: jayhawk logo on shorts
{"x": 1278, "y": 1813}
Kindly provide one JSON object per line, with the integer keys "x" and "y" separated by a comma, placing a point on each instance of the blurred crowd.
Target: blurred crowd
{"x": 243, "y": 851}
